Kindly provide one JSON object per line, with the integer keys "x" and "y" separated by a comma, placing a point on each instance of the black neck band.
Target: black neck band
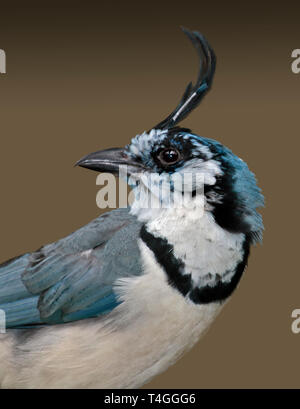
{"x": 174, "y": 268}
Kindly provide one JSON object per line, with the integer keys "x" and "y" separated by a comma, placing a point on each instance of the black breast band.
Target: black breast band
{"x": 174, "y": 268}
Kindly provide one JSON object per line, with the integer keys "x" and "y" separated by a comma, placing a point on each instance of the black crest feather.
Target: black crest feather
{"x": 193, "y": 93}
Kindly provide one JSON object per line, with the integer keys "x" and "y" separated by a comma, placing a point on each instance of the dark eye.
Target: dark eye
{"x": 169, "y": 156}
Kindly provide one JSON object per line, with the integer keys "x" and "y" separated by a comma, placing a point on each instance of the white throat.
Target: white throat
{"x": 207, "y": 250}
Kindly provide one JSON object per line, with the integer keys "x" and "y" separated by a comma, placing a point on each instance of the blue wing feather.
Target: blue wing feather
{"x": 73, "y": 278}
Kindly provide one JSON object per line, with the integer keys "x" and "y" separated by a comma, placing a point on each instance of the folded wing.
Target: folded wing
{"x": 72, "y": 278}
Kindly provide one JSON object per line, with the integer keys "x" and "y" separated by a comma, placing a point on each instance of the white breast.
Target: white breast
{"x": 165, "y": 323}
{"x": 204, "y": 247}
{"x": 142, "y": 337}
{"x": 145, "y": 334}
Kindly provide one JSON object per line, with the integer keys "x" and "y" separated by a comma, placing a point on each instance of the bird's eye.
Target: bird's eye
{"x": 169, "y": 156}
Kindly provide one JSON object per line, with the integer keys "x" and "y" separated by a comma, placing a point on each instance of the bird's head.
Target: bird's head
{"x": 169, "y": 166}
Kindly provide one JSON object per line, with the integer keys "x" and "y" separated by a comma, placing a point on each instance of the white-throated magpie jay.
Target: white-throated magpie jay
{"x": 122, "y": 298}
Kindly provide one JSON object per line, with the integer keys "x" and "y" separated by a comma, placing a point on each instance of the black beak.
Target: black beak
{"x": 110, "y": 160}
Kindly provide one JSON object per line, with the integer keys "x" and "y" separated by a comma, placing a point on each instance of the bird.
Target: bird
{"x": 120, "y": 300}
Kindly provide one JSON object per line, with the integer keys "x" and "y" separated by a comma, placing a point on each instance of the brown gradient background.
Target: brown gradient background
{"x": 84, "y": 76}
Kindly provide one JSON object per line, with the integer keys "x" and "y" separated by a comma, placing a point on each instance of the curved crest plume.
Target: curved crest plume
{"x": 193, "y": 93}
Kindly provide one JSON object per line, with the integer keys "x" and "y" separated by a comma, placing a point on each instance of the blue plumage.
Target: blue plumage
{"x": 73, "y": 278}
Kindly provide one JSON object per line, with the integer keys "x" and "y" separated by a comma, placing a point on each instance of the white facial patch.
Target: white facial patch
{"x": 162, "y": 189}
{"x": 143, "y": 142}
{"x": 209, "y": 169}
